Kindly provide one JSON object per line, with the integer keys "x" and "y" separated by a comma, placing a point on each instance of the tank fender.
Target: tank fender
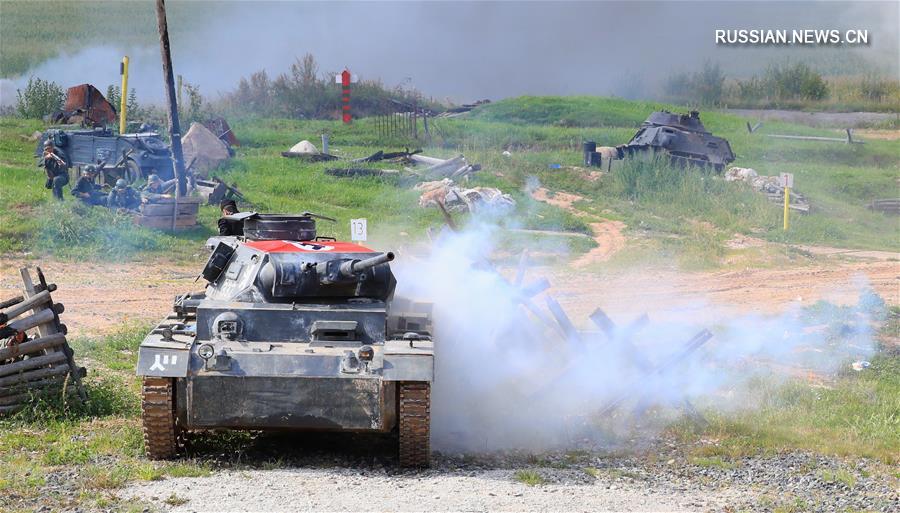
{"x": 405, "y": 363}
{"x": 164, "y": 360}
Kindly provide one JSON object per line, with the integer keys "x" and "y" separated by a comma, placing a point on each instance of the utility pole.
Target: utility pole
{"x": 168, "y": 76}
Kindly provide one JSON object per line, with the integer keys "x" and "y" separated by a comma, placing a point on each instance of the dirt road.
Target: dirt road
{"x": 99, "y": 297}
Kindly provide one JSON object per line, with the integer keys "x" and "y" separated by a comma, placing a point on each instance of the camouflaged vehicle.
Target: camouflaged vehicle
{"x": 682, "y": 137}
{"x": 293, "y": 332}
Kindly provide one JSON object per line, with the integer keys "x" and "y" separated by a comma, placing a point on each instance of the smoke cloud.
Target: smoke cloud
{"x": 507, "y": 377}
{"x": 471, "y": 50}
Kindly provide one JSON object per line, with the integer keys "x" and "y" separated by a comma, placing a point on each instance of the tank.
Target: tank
{"x": 682, "y": 137}
{"x": 292, "y": 332}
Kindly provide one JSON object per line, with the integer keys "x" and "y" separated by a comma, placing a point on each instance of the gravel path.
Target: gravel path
{"x": 349, "y": 490}
{"x": 565, "y": 482}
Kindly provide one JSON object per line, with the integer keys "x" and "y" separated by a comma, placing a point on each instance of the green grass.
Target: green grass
{"x": 838, "y": 476}
{"x": 528, "y": 477}
{"x": 683, "y": 217}
{"x": 713, "y": 462}
{"x": 95, "y": 448}
{"x": 857, "y": 415}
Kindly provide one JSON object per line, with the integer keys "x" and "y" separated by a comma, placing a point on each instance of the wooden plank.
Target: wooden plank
{"x": 181, "y": 201}
{"x": 32, "y": 363}
{"x": 12, "y": 301}
{"x": 35, "y": 375}
{"x": 32, "y": 302}
{"x": 51, "y": 382}
{"x": 153, "y": 209}
{"x": 38, "y": 344}
{"x": 40, "y": 320}
{"x": 165, "y": 222}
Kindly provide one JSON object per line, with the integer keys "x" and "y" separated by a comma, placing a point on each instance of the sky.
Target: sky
{"x": 471, "y": 50}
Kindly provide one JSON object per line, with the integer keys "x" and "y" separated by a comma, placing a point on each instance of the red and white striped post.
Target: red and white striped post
{"x": 345, "y": 79}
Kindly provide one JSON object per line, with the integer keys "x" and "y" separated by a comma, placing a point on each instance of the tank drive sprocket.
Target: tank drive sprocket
{"x": 161, "y": 431}
{"x": 415, "y": 423}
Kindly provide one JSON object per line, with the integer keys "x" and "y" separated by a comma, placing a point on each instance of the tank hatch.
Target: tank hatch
{"x": 282, "y": 227}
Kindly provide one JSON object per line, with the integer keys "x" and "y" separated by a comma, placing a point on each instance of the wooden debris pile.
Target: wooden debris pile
{"x": 35, "y": 358}
{"x": 769, "y": 185}
{"x": 170, "y": 213}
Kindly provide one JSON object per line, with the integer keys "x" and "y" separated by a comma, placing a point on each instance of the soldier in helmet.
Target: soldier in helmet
{"x": 123, "y": 196}
{"x": 228, "y": 226}
{"x": 86, "y": 190}
{"x": 156, "y": 189}
{"x": 57, "y": 169}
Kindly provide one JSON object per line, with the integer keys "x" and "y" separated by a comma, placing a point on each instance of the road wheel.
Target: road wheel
{"x": 415, "y": 424}
{"x": 161, "y": 431}
{"x": 132, "y": 172}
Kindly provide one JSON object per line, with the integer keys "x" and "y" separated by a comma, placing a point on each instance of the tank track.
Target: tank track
{"x": 415, "y": 424}
{"x": 161, "y": 433}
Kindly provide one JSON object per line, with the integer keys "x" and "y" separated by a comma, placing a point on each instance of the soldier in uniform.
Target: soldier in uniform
{"x": 123, "y": 196}
{"x": 57, "y": 169}
{"x": 227, "y": 226}
{"x": 86, "y": 190}
{"x": 155, "y": 189}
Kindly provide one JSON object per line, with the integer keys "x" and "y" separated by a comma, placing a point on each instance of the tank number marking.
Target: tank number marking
{"x": 160, "y": 361}
{"x": 358, "y": 229}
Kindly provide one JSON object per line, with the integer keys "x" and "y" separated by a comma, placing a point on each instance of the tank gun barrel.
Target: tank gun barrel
{"x": 354, "y": 267}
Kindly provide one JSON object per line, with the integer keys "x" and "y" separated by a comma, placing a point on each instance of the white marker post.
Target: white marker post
{"x": 787, "y": 181}
{"x": 358, "y": 229}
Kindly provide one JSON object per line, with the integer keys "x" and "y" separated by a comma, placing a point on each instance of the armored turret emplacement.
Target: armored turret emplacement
{"x": 681, "y": 138}
{"x": 293, "y": 331}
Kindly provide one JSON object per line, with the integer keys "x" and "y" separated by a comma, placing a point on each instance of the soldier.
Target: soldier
{"x": 155, "y": 189}
{"x": 86, "y": 190}
{"x": 227, "y": 226}
{"x": 123, "y": 197}
{"x": 57, "y": 169}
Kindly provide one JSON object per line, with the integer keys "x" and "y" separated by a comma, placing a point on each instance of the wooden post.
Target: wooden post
{"x": 415, "y": 118}
{"x": 172, "y": 107}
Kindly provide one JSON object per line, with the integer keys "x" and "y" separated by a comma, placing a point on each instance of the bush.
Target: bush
{"x": 40, "y": 98}
{"x": 796, "y": 82}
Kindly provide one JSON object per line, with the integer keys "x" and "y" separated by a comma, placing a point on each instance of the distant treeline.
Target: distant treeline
{"x": 302, "y": 93}
{"x": 306, "y": 93}
{"x": 787, "y": 85}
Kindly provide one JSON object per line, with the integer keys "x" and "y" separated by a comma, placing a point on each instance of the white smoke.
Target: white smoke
{"x": 505, "y": 379}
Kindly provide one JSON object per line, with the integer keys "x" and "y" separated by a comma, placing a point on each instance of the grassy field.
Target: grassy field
{"x": 689, "y": 215}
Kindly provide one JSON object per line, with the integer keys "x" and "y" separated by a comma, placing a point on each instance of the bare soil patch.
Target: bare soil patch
{"x": 101, "y": 297}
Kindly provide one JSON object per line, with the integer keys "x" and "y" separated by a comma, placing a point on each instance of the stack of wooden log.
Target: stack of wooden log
{"x": 35, "y": 358}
